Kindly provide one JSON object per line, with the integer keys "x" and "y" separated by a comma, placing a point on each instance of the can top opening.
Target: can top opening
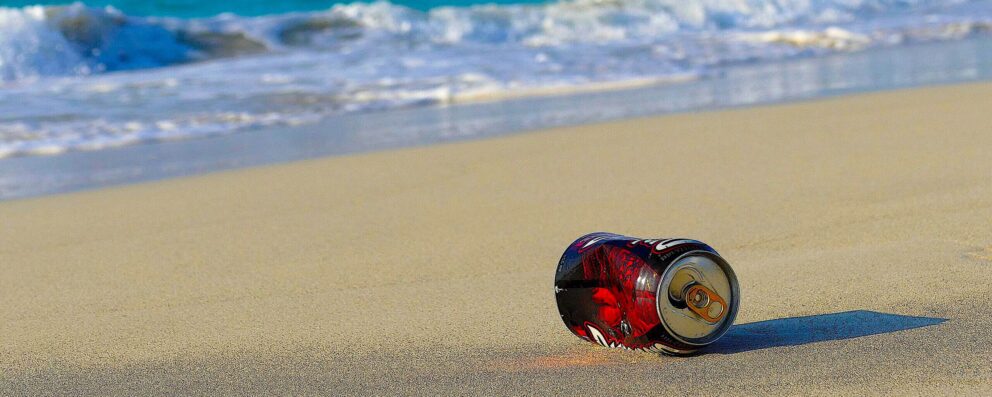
{"x": 698, "y": 298}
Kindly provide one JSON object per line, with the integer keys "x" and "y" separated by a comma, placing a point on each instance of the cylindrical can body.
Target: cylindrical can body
{"x": 667, "y": 295}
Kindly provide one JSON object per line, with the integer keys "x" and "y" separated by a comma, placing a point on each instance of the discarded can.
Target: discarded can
{"x": 672, "y": 296}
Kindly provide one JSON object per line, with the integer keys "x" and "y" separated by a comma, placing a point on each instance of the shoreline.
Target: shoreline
{"x": 430, "y": 267}
{"x": 743, "y": 86}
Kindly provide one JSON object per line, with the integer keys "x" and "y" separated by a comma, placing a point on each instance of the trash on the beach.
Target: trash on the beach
{"x": 672, "y": 296}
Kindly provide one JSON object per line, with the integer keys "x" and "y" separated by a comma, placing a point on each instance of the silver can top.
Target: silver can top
{"x": 698, "y": 297}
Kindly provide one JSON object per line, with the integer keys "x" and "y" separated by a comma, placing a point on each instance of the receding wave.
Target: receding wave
{"x": 199, "y": 77}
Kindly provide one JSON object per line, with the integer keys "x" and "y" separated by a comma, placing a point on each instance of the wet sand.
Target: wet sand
{"x": 860, "y": 228}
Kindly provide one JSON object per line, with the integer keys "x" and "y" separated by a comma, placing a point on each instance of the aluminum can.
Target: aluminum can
{"x": 671, "y": 296}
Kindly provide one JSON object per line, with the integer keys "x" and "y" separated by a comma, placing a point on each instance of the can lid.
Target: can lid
{"x": 698, "y": 298}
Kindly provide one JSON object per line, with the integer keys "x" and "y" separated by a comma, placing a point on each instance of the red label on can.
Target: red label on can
{"x": 607, "y": 285}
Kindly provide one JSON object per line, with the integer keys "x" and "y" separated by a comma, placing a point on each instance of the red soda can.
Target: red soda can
{"x": 671, "y": 296}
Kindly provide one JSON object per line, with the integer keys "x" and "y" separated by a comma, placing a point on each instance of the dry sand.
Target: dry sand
{"x": 430, "y": 269}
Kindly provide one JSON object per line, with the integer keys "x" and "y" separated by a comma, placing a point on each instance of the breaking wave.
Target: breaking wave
{"x": 79, "y": 40}
{"x": 223, "y": 74}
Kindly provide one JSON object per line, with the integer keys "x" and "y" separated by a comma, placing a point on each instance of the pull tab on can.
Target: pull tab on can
{"x": 705, "y": 303}
{"x": 698, "y": 298}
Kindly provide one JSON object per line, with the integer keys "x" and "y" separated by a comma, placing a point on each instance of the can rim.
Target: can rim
{"x": 728, "y": 321}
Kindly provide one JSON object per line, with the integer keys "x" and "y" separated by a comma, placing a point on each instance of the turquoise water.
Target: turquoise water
{"x": 198, "y": 8}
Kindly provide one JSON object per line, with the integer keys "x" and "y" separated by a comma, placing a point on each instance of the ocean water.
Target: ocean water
{"x": 88, "y": 77}
{"x": 201, "y": 8}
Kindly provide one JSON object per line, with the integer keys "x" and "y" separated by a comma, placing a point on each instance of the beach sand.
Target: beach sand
{"x": 860, "y": 228}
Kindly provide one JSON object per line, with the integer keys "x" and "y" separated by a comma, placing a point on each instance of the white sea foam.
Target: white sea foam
{"x": 79, "y": 78}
